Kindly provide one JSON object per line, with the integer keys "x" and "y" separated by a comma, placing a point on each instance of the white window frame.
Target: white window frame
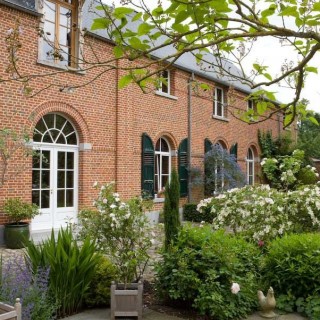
{"x": 250, "y": 165}
{"x": 250, "y": 105}
{"x": 77, "y": 40}
{"x": 161, "y": 84}
{"x": 217, "y": 102}
{"x": 158, "y": 157}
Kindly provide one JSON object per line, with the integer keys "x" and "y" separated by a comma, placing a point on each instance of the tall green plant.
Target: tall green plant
{"x": 71, "y": 267}
{"x": 171, "y": 209}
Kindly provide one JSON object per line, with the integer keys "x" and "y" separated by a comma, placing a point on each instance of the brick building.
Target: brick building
{"x": 101, "y": 133}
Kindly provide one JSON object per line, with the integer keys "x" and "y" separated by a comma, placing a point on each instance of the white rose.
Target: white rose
{"x": 235, "y": 288}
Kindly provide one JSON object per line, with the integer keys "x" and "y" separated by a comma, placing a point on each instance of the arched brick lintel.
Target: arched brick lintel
{"x": 170, "y": 138}
{"x": 65, "y": 109}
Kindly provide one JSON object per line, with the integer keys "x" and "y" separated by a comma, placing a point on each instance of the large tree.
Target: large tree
{"x": 309, "y": 138}
{"x": 218, "y": 34}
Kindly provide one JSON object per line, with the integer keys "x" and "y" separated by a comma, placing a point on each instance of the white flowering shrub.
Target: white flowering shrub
{"x": 121, "y": 230}
{"x": 288, "y": 172}
{"x": 263, "y": 213}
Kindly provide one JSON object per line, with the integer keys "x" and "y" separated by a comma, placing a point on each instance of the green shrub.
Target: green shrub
{"x": 190, "y": 213}
{"x": 312, "y": 307}
{"x": 201, "y": 267}
{"x": 98, "y": 294}
{"x": 71, "y": 267}
{"x": 291, "y": 265}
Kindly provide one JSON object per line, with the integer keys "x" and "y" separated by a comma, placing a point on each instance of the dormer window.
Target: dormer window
{"x": 59, "y": 32}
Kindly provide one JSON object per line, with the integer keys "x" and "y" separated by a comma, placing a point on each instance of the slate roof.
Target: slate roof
{"x": 23, "y": 4}
{"x": 186, "y": 62}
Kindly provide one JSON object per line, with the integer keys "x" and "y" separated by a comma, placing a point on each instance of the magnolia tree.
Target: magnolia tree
{"x": 213, "y": 34}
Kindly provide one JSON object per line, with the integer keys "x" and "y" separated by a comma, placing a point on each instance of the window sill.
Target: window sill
{"x": 220, "y": 118}
{"x": 166, "y": 95}
{"x": 56, "y": 66}
{"x": 158, "y": 200}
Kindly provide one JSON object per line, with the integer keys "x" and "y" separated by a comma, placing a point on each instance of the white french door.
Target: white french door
{"x": 55, "y": 186}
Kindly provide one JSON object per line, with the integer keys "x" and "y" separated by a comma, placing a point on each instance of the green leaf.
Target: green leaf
{"x": 181, "y": 16}
{"x": 316, "y": 6}
{"x": 313, "y": 120}
{"x": 268, "y": 12}
{"x": 178, "y": 27}
{"x": 289, "y": 11}
{"x": 118, "y": 52}
{"x": 144, "y": 28}
{"x": 298, "y": 42}
{"x": 99, "y": 23}
{"x": 312, "y": 23}
{"x": 268, "y": 76}
{"x": 288, "y": 119}
{"x": 261, "y": 107}
{"x": 157, "y": 12}
{"x": 124, "y": 81}
{"x": 137, "y": 16}
{"x": 122, "y": 11}
{"x": 312, "y": 69}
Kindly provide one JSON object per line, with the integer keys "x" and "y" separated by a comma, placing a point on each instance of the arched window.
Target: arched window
{"x": 54, "y": 128}
{"x": 250, "y": 166}
{"x": 162, "y": 164}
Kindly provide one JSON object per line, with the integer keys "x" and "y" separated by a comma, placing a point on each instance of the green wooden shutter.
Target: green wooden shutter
{"x": 207, "y": 145}
{"x": 234, "y": 150}
{"x": 183, "y": 167}
{"x": 147, "y": 167}
{"x": 207, "y": 148}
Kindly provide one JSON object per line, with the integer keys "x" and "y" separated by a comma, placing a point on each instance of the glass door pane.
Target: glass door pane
{"x": 41, "y": 173}
{"x": 65, "y": 179}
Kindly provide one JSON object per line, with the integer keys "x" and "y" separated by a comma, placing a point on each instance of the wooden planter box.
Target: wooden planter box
{"x": 126, "y": 302}
{"x": 10, "y": 313}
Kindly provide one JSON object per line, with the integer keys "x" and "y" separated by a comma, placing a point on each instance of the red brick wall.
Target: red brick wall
{"x": 111, "y": 120}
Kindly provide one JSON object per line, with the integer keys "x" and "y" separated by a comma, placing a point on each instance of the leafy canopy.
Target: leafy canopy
{"x": 225, "y": 30}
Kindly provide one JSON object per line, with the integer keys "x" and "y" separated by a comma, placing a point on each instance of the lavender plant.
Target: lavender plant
{"x": 18, "y": 281}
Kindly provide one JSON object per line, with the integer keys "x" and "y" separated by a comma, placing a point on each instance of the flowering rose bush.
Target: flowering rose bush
{"x": 288, "y": 172}
{"x": 121, "y": 230}
{"x": 262, "y": 213}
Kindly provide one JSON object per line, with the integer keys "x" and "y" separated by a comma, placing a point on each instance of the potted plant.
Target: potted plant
{"x": 122, "y": 232}
{"x": 16, "y": 231}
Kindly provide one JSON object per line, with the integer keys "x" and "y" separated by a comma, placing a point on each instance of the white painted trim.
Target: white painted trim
{"x": 166, "y": 95}
{"x": 85, "y": 146}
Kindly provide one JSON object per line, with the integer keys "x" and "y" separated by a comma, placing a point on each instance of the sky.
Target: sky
{"x": 268, "y": 52}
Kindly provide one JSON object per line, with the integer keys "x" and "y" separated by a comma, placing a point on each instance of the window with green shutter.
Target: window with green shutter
{"x": 183, "y": 167}
{"x": 147, "y": 167}
{"x": 207, "y": 148}
{"x": 207, "y": 145}
{"x": 234, "y": 151}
